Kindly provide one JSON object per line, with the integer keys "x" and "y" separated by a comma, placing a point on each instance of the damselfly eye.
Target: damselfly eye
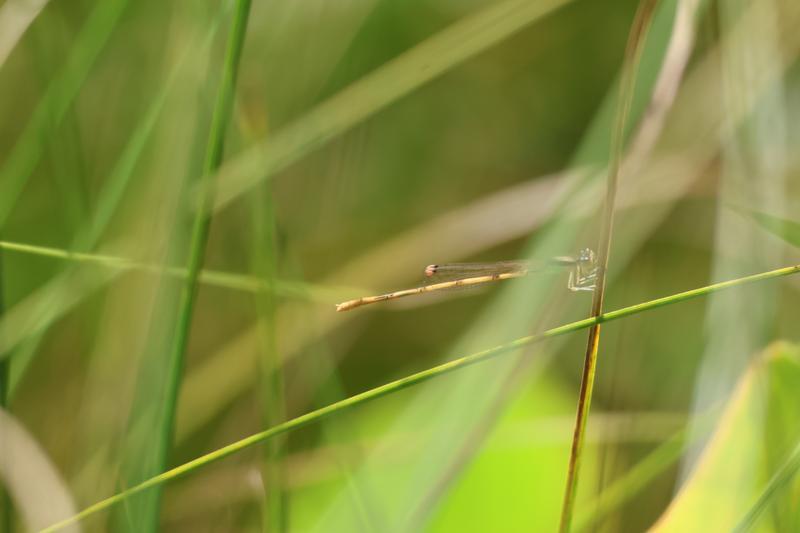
{"x": 430, "y": 270}
{"x": 586, "y": 255}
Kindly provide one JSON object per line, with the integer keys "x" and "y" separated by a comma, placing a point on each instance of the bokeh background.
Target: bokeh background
{"x": 370, "y": 138}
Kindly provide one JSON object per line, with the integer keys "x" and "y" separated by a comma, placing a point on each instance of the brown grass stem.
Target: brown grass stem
{"x": 633, "y": 51}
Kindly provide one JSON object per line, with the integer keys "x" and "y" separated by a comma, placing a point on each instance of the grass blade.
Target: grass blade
{"x": 214, "y": 278}
{"x": 677, "y": 31}
{"x": 633, "y": 52}
{"x": 108, "y": 203}
{"x": 786, "y": 229}
{"x": 274, "y": 507}
{"x": 409, "y": 381}
{"x": 750, "y": 457}
{"x": 25, "y": 155}
{"x": 785, "y": 473}
{"x": 390, "y": 82}
{"x": 148, "y": 520}
{"x": 639, "y": 476}
{"x": 5, "y": 381}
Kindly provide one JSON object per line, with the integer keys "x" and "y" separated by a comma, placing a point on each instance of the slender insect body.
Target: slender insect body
{"x": 582, "y": 276}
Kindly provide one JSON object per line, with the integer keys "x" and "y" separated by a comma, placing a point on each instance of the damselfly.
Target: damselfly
{"x": 582, "y": 275}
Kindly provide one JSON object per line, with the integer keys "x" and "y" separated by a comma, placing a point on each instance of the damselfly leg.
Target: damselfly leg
{"x": 583, "y": 276}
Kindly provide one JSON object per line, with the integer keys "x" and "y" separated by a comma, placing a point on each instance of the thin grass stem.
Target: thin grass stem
{"x": 214, "y": 278}
{"x": 200, "y": 229}
{"x": 784, "y": 475}
{"x": 633, "y": 52}
{"x": 6, "y": 509}
{"x": 273, "y": 412}
{"x": 412, "y": 380}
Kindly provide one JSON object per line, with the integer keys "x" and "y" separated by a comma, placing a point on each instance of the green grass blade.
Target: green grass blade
{"x": 113, "y": 191}
{"x": 108, "y": 203}
{"x": 786, "y": 229}
{"x": 59, "y": 95}
{"x": 441, "y": 233}
{"x": 63, "y": 149}
{"x": 631, "y": 484}
{"x": 273, "y": 411}
{"x": 49, "y": 112}
{"x": 633, "y": 52}
{"x": 5, "y": 381}
{"x": 412, "y": 380}
{"x": 271, "y": 391}
{"x": 198, "y": 240}
{"x": 744, "y": 462}
{"x": 214, "y": 278}
{"x": 785, "y": 473}
{"x": 389, "y": 83}
{"x": 753, "y": 172}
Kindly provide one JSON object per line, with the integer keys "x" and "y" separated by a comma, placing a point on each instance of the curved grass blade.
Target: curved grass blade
{"x": 409, "y": 381}
{"x": 16, "y": 16}
{"x": 40, "y": 492}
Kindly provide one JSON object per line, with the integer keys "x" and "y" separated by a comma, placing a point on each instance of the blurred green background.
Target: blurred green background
{"x": 359, "y": 151}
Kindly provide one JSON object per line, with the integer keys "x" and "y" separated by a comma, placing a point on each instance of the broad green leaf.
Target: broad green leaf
{"x": 758, "y": 429}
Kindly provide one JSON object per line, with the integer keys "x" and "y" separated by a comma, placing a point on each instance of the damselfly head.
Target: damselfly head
{"x": 430, "y": 270}
{"x": 586, "y": 256}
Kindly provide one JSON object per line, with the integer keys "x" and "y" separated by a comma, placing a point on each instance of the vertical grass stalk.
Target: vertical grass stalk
{"x": 5, "y": 381}
{"x": 633, "y": 52}
{"x": 202, "y": 221}
{"x": 272, "y": 388}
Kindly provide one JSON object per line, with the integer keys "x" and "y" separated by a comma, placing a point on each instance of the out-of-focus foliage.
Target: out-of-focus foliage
{"x": 491, "y": 147}
{"x": 757, "y": 431}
